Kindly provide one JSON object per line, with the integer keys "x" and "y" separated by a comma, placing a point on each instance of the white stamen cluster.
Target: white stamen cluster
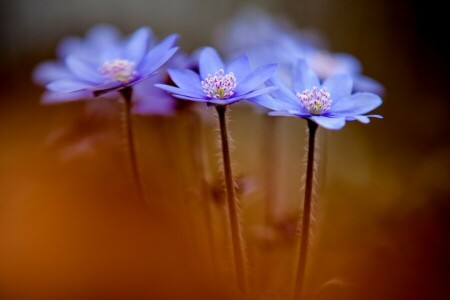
{"x": 316, "y": 101}
{"x": 119, "y": 70}
{"x": 219, "y": 86}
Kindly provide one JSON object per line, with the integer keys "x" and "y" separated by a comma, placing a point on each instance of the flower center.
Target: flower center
{"x": 316, "y": 101}
{"x": 118, "y": 70}
{"x": 219, "y": 86}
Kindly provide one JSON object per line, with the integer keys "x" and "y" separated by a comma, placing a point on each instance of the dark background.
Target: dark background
{"x": 384, "y": 216}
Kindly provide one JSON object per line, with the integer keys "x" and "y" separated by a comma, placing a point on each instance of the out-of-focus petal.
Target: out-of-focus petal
{"x": 68, "y": 86}
{"x": 356, "y": 104}
{"x": 83, "y": 70}
{"x": 256, "y": 78}
{"x": 304, "y": 78}
{"x": 137, "y": 45}
{"x": 339, "y": 86}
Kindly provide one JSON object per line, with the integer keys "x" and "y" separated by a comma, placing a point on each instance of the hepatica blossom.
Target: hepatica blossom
{"x": 98, "y": 68}
{"x": 218, "y": 83}
{"x": 329, "y": 104}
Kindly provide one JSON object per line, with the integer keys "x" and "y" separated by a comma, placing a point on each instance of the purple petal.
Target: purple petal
{"x": 158, "y": 55}
{"x": 102, "y": 36}
{"x": 286, "y": 95}
{"x": 356, "y": 104}
{"x": 209, "y": 62}
{"x": 339, "y": 86}
{"x": 304, "y": 77}
{"x": 68, "y": 45}
{"x": 241, "y": 97}
{"x": 55, "y": 98}
{"x": 367, "y": 84}
{"x": 178, "y": 91}
{"x": 186, "y": 79}
{"x": 329, "y": 123}
{"x": 68, "y": 86}
{"x": 49, "y": 71}
{"x": 137, "y": 45}
{"x": 240, "y": 68}
{"x": 362, "y": 119}
{"x": 83, "y": 70}
{"x": 256, "y": 78}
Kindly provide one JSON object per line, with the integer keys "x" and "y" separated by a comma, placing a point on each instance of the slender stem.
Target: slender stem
{"x": 126, "y": 94}
{"x": 301, "y": 267}
{"x": 238, "y": 252}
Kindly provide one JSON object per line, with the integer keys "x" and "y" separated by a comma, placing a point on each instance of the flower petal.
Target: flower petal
{"x": 49, "y": 71}
{"x": 158, "y": 55}
{"x": 179, "y": 91}
{"x": 102, "y": 36}
{"x": 67, "y": 86}
{"x": 240, "y": 67}
{"x": 356, "y": 104}
{"x": 68, "y": 45}
{"x": 304, "y": 77}
{"x": 339, "y": 86}
{"x": 329, "y": 122}
{"x": 209, "y": 62}
{"x": 55, "y": 98}
{"x": 137, "y": 45}
{"x": 367, "y": 84}
{"x": 362, "y": 119}
{"x": 186, "y": 79}
{"x": 83, "y": 70}
{"x": 241, "y": 97}
{"x": 256, "y": 78}
{"x": 286, "y": 95}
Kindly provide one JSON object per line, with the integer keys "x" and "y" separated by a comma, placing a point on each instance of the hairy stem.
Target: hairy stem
{"x": 238, "y": 251}
{"x": 305, "y": 224}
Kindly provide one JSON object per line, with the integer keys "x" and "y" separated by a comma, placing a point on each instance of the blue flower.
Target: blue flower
{"x": 330, "y": 104}
{"x": 103, "y": 62}
{"x": 217, "y": 83}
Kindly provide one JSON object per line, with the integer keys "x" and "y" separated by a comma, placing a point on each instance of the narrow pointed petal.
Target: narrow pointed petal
{"x": 186, "y": 79}
{"x": 362, "y": 119}
{"x": 304, "y": 77}
{"x": 209, "y": 62}
{"x": 137, "y": 45}
{"x": 159, "y": 55}
{"x": 176, "y": 90}
{"x": 356, "y": 104}
{"x": 273, "y": 103}
{"x": 256, "y": 78}
{"x": 286, "y": 95}
{"x": 248, "y": 96}
{"x": 339, "y": 86}
{"x": 329, "y": 123}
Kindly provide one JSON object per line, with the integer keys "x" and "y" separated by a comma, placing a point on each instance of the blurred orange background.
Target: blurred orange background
{"x": 70, "y": 223}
